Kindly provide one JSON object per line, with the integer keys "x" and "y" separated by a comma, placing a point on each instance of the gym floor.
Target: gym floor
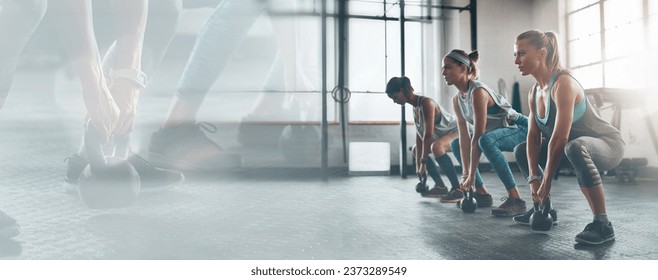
{"x": 271, "y": 213}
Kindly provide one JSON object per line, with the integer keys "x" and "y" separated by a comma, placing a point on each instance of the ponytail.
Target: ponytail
{"x": 552, "y": 56}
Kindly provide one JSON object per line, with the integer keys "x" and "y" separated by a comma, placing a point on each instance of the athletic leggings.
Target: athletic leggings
{"x": 218, "y": 40}
{"x": 587, "y": 156}
{"x": 492, "y": 144}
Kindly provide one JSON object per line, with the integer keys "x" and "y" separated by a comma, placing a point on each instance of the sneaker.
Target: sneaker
{"x": 511, "y": 207}
{"x": 436, "y": 191}
{"x": 186, "y": 147}
{"x": 9, "y": 228}
{"x": 524, "y": 218}
{"x": 153, "y": 178}
{"x": 75, "y": 164}
{"x": 483, "y": 200}
{"x": 453, "y": 196}
{"x": 596, "y": 233}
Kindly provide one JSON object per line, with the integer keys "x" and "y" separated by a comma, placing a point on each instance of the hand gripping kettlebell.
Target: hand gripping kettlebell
{"x": 422, "y": 187}
{"x": 542, "y": 220}
{"x": 468, "y": 204}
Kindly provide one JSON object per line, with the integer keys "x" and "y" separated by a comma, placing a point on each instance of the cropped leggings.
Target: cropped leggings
{"x": 587, "y": 156}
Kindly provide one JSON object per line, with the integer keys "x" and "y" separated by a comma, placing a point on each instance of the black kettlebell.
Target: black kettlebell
{"x": 106, "y": 182}
{"x": 541, "y": 219}
{"x": 468, "y": 204}
{"x": 422, "y": 187}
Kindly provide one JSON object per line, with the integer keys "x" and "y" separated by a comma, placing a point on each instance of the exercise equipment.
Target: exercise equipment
{"x": 468, "y": 204}
{"x": 541, "y": 219}
{"x": 422, "y": 187}
{"x": 106, "y": 182}
{"x": 628, "y": 169}
{"x": 114, "y": 185}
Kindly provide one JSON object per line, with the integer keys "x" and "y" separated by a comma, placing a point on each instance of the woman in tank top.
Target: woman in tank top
{"x": 495, "y": 127}
{"x": 563, "y": 122}
{"x": 435, "y": 128}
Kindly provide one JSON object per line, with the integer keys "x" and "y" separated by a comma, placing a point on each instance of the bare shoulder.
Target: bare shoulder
{"x": 428, "y": 104}
{"x": 566, "y": 85}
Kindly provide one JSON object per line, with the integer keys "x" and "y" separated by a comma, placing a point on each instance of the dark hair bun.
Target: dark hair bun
{"x": 474, "y": 56}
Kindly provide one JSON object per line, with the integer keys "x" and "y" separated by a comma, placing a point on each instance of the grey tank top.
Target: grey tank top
{"x": 444, "y": 123}
{"x": 495, "y": 120}
{"x": 590, "y": 124}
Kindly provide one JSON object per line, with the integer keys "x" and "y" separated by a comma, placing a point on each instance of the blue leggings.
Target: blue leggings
{"x": 492, "y": 144}
{"x": 218, "y": 40}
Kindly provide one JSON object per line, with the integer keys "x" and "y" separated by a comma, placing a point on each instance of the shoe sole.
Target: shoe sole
{"x": 433, "y": 195}
{"x": 451, "y": 201}
{"x": 528, "y": 224}
{"x": 583, "y": 241}
{"x": 163, "y": 187}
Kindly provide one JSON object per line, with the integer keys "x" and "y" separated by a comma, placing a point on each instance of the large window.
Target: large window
{"x": 375, "y": 56}
{"x": 609, "y": 42}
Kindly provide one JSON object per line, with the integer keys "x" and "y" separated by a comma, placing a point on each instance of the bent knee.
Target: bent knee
{"x": 439, "y": 149}
{"x": 520, "y": 150}
{"x": 485, "y": 142}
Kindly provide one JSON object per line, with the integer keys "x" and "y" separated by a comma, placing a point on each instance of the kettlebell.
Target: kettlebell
{"x": 422, "y": 187}
{"x": 468, "y": 204}
{"x": 114, "y": 185}
{"x": 541, "y": 219}
{"x": 106, "y": 182}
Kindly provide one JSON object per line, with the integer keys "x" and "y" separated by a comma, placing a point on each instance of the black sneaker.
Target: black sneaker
{"x": 524, "y": 218}
{"x": 596, "y": 233}
{"x": 511, "y": 207}
{"x": 153, "y": 178}
{"x": 75, "y": 164}
{"x": 453, "y": 196}
{"x": 9, "y": 228}
{"x": 483, "y": 200}
{"x": 186, "y": 147}
{"x": 436, "y": 191}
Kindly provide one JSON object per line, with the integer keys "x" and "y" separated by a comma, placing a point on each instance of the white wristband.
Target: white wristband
{"x": 134, "y": 75}
{"x": 534, "y": 178}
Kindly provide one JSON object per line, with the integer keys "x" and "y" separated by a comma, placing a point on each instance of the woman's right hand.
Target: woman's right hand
{"x": 103, "y": 112}
{"x": 421, "y": 170}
